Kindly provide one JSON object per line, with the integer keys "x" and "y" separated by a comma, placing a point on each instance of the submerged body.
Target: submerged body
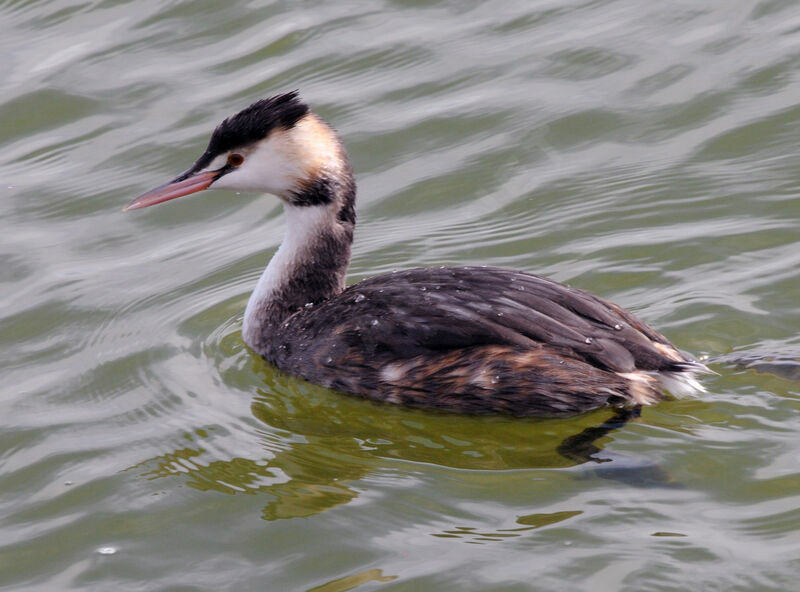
{"x": 464, "y": 339}
{"x": 472, "y": 340}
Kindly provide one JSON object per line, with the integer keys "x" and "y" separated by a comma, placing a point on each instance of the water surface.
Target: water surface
{"x": 646, "y": 153}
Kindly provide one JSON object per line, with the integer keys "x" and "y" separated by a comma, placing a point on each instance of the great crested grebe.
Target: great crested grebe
{"x": 464, "y": 339}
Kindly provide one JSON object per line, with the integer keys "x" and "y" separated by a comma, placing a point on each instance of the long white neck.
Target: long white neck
{"x": 307, "y": 167}
{"x": 308, "y": 267}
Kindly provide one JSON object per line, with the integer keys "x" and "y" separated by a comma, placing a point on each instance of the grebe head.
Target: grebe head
{"x": 279, "y": 146}
{"x": 276, "y": 145}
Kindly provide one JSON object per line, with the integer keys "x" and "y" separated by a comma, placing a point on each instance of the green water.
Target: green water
{"x": 646, "y": 153}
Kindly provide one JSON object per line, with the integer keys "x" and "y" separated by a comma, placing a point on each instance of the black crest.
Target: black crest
{"x": 256, "y": 122}
{"x": 250, "y": 125}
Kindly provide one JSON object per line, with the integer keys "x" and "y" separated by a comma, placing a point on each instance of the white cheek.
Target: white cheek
{"x": 267, "y": 169}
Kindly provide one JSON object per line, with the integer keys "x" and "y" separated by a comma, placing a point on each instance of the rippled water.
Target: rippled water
{"x": 646, "y": 153}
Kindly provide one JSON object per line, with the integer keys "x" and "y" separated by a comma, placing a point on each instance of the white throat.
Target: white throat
{"x": 303, "y": 225}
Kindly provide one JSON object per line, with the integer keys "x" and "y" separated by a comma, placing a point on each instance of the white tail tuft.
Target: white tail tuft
{"x": 681, "y": 384}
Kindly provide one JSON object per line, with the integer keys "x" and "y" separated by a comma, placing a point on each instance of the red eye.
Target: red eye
{"x": 235, "y": 159}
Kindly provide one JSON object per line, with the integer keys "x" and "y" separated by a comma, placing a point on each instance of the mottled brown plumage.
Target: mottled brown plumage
{"x": 473, "y": 340}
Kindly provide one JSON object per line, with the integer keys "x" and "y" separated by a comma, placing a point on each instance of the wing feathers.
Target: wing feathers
{"x": 451, "y": 314}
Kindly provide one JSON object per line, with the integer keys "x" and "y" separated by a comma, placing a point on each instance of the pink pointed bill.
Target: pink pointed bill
{"x": 173, "y": 190}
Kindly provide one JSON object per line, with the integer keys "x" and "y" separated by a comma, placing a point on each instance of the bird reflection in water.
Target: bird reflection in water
{"x": 319, "y": 443}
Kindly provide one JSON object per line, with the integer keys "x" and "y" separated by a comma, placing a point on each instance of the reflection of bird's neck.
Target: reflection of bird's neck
{"x": 311, "y": 263}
